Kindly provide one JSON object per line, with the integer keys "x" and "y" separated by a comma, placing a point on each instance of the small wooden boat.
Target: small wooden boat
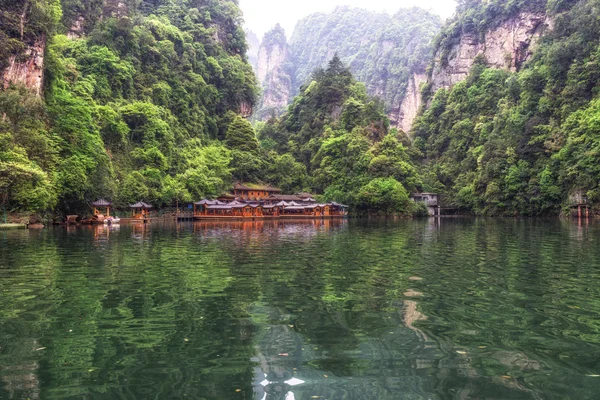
{"x": 112, "y": 221}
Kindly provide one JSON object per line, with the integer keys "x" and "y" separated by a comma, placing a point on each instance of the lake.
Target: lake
{"x": 407, "y": 309}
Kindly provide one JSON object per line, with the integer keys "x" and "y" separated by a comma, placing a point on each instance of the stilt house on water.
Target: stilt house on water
{"x": 264, "y": 202}
{"x": 140, "y": 210}
{"x": 580, "y": 205}
{"x": 102, "y": 207}
{"x": 431, "y": 201}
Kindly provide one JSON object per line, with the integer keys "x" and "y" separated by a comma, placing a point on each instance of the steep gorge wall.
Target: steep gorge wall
{"x": 28, "y": 68}
{"x": 272, "y": 73}
{"x": 403, "y": 115}
{"x": 389, "y": 53}
{"x": 507, "y": 46}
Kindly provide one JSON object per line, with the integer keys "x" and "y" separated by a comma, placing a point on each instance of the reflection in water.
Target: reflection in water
{"x": 336, "y": 309}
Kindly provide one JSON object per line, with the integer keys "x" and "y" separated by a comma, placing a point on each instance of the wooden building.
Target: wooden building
{"x": 431, "y": 201}
{"x": 579, "y": 204}
{"x": 253, "y": 193}
{"x": 209, "y": 209}
{"x": 278, "y": 198}
{"x": 140, "y": 210}
{"x": 102, "y": 207}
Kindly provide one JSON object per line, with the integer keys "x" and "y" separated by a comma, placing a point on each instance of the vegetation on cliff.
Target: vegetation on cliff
{"x": 341, "y": 138}
{"x": 381, "y": 50}
{"x": 521, "y": 143}
{"x": 136, "y": 108}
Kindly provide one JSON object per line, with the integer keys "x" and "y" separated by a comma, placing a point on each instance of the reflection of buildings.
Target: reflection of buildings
{"x": 300, "y": 228}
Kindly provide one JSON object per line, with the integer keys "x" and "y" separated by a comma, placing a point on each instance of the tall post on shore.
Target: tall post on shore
{"x": 4, "y": 211}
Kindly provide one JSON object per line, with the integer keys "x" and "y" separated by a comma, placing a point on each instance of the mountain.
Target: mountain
{"x": 338, "y": 140}
{"x": 275, "y": 73}
{"x": 389, "y": 53}
{"x": 510, "y": 122}
{"x": 253, "y": 48}
{"x": 119, "y": 99}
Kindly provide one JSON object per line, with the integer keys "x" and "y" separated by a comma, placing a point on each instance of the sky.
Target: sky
{"x": 262, "y": 15}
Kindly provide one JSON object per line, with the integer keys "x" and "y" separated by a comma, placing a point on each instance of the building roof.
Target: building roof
{"x": 313, "y": 206}
{"x": 250, "y": 186}
{"x": 205, "y": 202}
{"x": 102, "y": 203}
{"x": 220, "y": 207}
{"x": 140, "y": 204}
{"x": 304, "y": 195}
{"x": 283, "y": 197}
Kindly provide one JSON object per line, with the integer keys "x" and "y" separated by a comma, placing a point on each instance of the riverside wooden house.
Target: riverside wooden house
{"x": 102, "y": 207}
{"x": 266, "y": 202}
{"x": 140, "y": 210}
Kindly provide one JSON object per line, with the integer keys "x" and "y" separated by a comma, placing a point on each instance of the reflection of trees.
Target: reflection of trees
{"x": 395, "y": 309}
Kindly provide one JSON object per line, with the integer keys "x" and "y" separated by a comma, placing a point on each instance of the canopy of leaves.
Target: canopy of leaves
{"x": 521, "y": 143}
{"x": 133, "y": 109}
{"x": 341, "y": 137}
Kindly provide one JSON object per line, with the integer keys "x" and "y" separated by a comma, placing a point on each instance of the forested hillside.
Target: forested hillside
{"x": 339, "y": 142}
{"x": 519, "y": 143}
{"x": 383, "y": 51}
{"x": 148, "y": 101}
{"x": 138, "y": 100}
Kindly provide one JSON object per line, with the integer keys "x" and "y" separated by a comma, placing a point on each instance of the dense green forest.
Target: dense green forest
{"x": 340, "y": 138}
{"x": 381, "y": 50}
{"x": 136, "y": 108}
{"x": 143, "y": 101}
{"x": 519, "y": 143}
{"x": 146, "y": 101}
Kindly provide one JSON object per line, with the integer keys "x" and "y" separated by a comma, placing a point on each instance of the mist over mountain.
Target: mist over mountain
{"x": 386, "y": 52}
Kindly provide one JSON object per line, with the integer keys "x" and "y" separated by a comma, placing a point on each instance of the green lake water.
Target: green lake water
{"x": 424, "y": 309}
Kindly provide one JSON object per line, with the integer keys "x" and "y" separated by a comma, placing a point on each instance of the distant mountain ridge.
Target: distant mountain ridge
{"x": 389, "y": 53}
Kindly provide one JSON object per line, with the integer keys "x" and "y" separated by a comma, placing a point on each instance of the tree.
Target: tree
{"x": 241, "y": 136}
{"x": 383, "y": 195}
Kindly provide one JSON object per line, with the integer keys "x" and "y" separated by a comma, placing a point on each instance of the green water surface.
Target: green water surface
{"x": 424, "y": 309}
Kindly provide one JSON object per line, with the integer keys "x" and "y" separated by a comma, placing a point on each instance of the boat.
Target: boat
{"x": 112, "y": 221}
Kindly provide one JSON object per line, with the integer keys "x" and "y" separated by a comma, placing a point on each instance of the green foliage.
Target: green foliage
{"x": 23, "y": 183}
{"x": 383, "y": 195}
{"x": 240, "y": 136}
{"x": 133, "y": 108}
{"x": 25, "y": 22}
{"x": 338, "y": 142}
{"x": 520, "y": 143}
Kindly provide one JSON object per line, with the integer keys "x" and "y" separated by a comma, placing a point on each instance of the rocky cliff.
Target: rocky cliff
{"x": 388, "y": 53}
{"x": 28, "y": 68}
{"x": 273, "y": 72}
{"x": 253, "y": 48}
{"x": 507, "y": 46}
{"x": 404, "y": 114}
